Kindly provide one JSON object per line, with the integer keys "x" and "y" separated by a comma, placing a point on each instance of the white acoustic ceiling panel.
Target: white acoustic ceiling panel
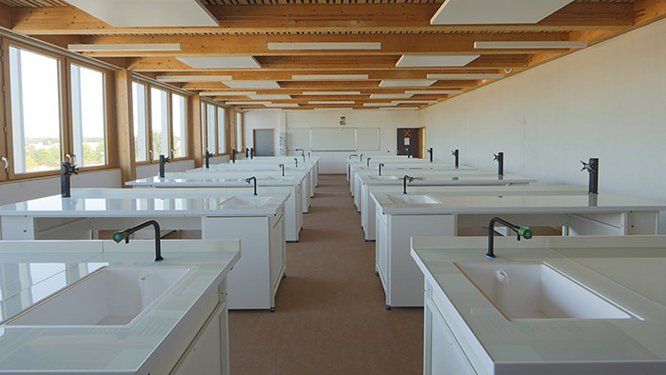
{"x": 390, "y": 96}
{"x": 433, "y": 92}
{"x": 427, "y": 61}
{"x": 314, "y": 93}
{"x": 475, "y": 12}
{"x": 392, "y": 104}
{"x": 271, "y": 97}
{"x": 332, "y": 102}
{"x": 282, "y": 105}
{"x": 406, "y": 83}
{"x": 329, "y": 77}
{"x": 248, "y": 103}
{"x": 220, "y": 62}
{"x": 148, "y": 13}
{"x": 227, "y": 93}
{"x": 464, "y": 76}
{"x": 192, "y": 78}
{"x": 323, "y": 46}
{"x": 252, "y": 84}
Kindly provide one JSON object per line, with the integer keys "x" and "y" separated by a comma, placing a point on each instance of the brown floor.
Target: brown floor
{"x": 330, "y": 316}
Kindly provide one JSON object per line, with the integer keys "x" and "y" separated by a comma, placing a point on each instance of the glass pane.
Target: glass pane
{"x": 221, "y": 130}
{"x": 35, "y": 105}
{"x": 88, "y": 116}
{"x": 239, "y": 131}
{"x": 179, "y": 124}
{"x": 158, "y": 122}
{"x": 139, "y": 120}
{"x": 210, "y": 128}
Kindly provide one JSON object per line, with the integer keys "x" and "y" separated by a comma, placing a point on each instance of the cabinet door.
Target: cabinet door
{"x": 443, "y": 354}
{"x": 204, "y": 356}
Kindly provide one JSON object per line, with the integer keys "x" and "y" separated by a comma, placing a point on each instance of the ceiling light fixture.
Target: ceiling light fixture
{"x": 568, "y": 44}
{"x": 329, "y": 77}
{"x": 220, "y": 62}
{"x": 138, "y": 47}
{"x": 252, "y": 84}
{"x": 322, "y": 46}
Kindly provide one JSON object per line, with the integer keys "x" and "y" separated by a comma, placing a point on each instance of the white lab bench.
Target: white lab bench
{"x": 309, "y": 170}
{"x": 394, "y": 183}
{"x": 236, "y": 176}
{"x": 268, "y": 185}
{"x": 550, "y": 305}
{"x": 257, "y": 221}
{"x": 60, "y": 301}
{"x": 399, "y": 217}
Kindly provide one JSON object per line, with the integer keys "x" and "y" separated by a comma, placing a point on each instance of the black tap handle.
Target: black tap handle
{"x": 496, "y": 157}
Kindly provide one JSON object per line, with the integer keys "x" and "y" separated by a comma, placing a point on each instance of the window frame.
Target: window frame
{"x": 169, "y": 126}
{"x": 8, "y": 173}
{"x": 226, "y": 127}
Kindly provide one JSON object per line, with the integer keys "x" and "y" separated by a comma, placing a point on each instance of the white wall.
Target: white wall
{"x": 607, "y": 101}
{"x": 333, "y": 162}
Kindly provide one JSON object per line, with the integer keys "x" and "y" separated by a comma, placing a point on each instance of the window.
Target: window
{"x": 88, "y": 116}
{"x": 159, "y": 120}
{"x": 210, "y": 128}
{"x": 239, "y": 130}
{"x": 36, "y": 111}
{"x": 179, "y": 125}
{"x": 221, "y": 130}
{"x": 139, "y": 119}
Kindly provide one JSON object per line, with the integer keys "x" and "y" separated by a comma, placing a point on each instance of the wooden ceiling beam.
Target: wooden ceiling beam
{"x": 311, "y": 63}
{"x": 299, "y": 18}
{"x": 257, "y": 45}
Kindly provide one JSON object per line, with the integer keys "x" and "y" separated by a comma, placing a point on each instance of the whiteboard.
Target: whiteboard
{"x": 367, "y": 139}
{"x": 333, "y": 139}
{"x": 298, "y": 138}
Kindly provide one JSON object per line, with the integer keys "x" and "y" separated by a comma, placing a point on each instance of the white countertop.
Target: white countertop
{"x": 139, "y": 203}
{"x": 514, "y": 204}
{"x": 531, "y": 189}
{"x": 51, "y": 266}
{"x": 214, "y": 181}
{"x": 629, "y": 271}
{"x": 451, "y": 178}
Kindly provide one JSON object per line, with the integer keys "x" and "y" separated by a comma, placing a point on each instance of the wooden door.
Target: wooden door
{"x": 409, "y": 142}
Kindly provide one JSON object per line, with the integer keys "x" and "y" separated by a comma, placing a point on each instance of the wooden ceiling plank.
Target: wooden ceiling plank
{"x": 280, "y": 18}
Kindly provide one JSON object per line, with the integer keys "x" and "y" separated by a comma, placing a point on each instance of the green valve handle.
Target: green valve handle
{"x": 119, "y": 237}
{"x": 525, "y": 232}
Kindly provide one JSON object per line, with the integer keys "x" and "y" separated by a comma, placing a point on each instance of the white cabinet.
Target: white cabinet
{"x": 205, "y": 355}
{"x": 442, "y": 353}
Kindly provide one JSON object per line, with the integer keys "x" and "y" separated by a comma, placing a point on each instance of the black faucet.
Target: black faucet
{"x": 500, "y": 163}
{"x": 404, "y": 183}
{"x": 350, "y": 156}
{"x": 67, "y": 169}
{"x": 282, "y": 166}
{"x": 233, "y": 156}
{"x": 368, "y": 161}
{"x": 250, "y": 180}
{"x": 302, "y": 153}
{"x": 163, "y": 161}
{"x": 309, "y": 155}
{"x": 124, "y": 235}
{"x": 592, "y": 166}
{"x": 207, "y": 156}
{"x": 381, "y": 165}
{"x": 456, "y": 156}
{"x": 296, "y": 160}
{"x": 247, "y": 152}
{"x": 524, "y": 232}
{"x": 360, "y": 157}
{"x": 252, "y": 153}
{"x": 431, "y": 152}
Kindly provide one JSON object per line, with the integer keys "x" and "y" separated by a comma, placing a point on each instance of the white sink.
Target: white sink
{"x": 537, "y": 291}
{"x": 110, "y": 296}
{"x": 412, "y": 199}
{"x": 245, "y": 202}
